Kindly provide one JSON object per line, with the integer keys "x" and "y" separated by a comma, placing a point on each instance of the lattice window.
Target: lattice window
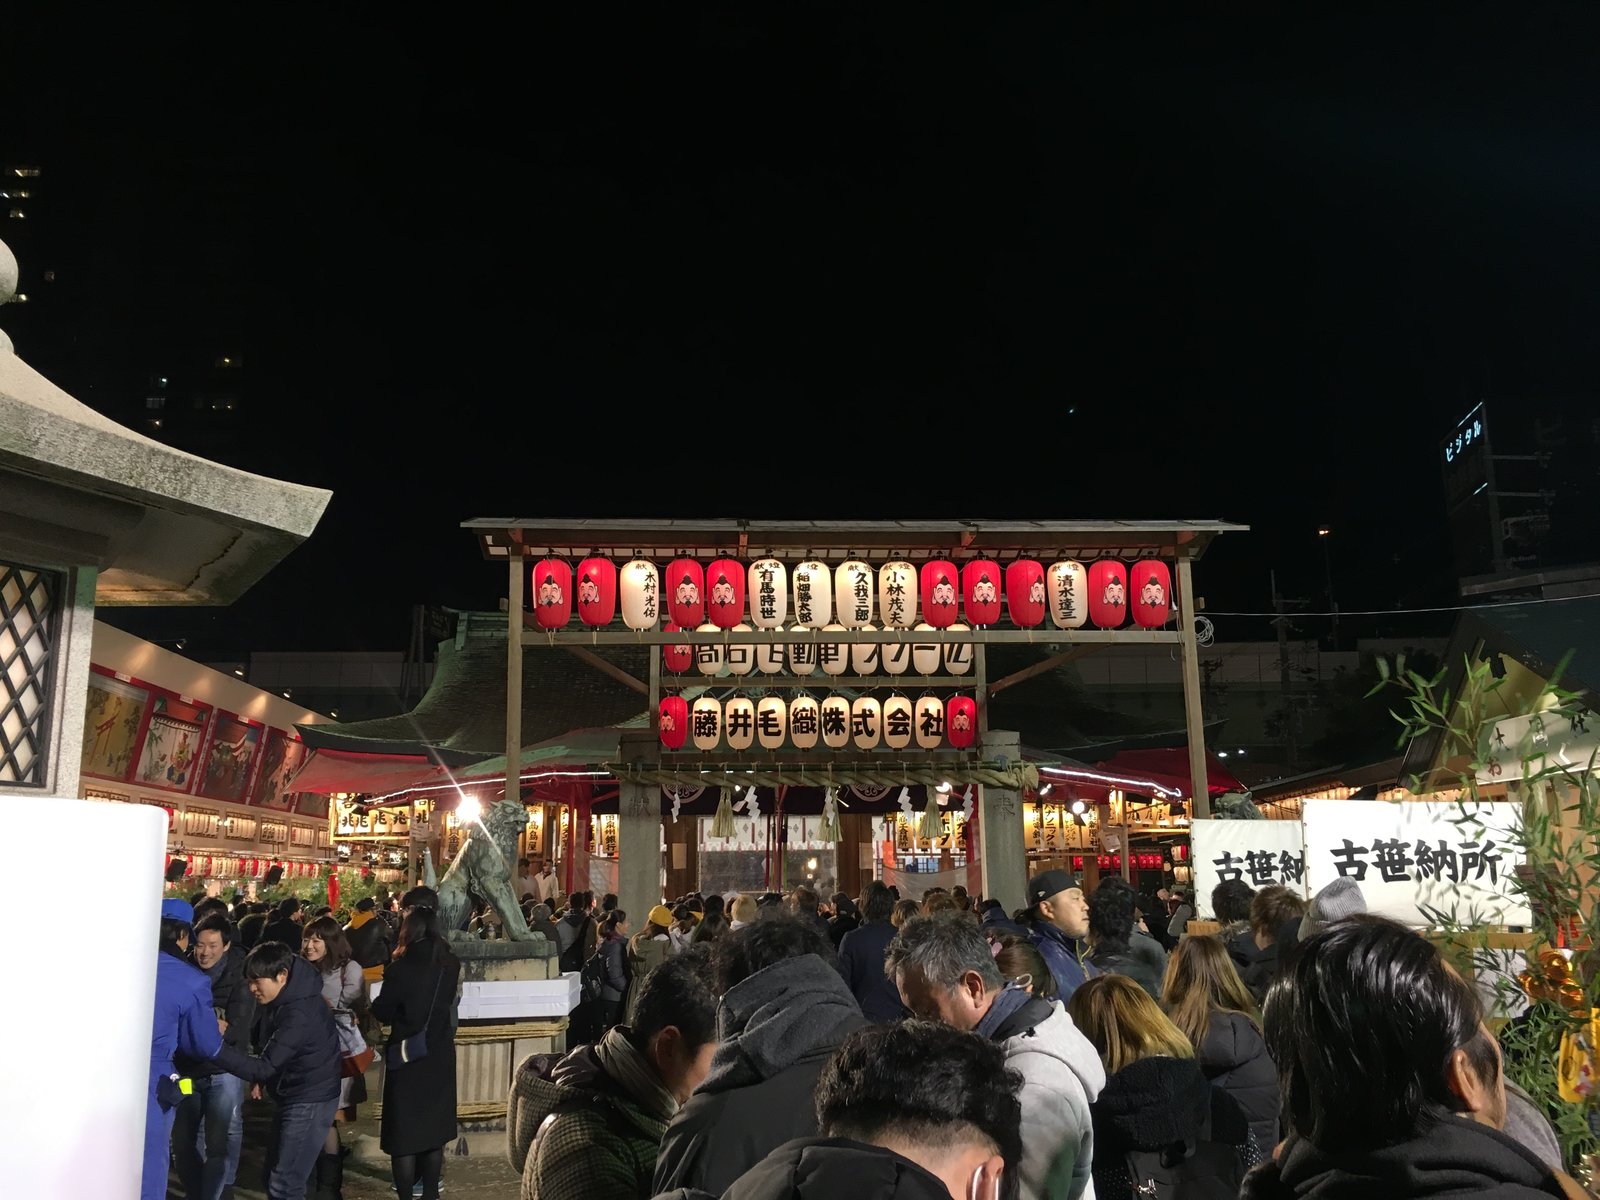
{"x": 28, "y": 622}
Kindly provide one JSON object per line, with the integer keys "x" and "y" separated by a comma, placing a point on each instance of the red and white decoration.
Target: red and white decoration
{"x": 812, "y": 593}
{"x": 1067, "y": 591}
{"x": 597, "y": 592}
{"x": 960, "y": 721}
{"x": 1108, "y": 593}
{"x": 769, "y": 594}
{"x": 941, "y": 584}
{"x": 1150, "y": 587}
{"x": 980, "y": 587}
{"x": 686, "y": 592}
{"x": 672, "y": 722}
{"x": 640, "y": 586}
{"x": 897, "y": 594}
{"x": 1025, "y": 594}
{"x": 725, "y": 592}
{"x": 706, "y": 723}
{"x": 852, "y": 594}
{"x": 552, "y": 593}
{"x": 677, "y": 656}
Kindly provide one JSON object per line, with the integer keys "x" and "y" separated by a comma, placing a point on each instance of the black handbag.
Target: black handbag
{"x": 407, "y": 1050}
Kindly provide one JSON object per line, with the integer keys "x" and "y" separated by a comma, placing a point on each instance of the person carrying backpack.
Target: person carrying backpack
{"x": 575, "y": 933}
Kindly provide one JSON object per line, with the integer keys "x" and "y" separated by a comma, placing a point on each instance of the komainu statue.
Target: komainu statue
{"x": 484, "y": 867}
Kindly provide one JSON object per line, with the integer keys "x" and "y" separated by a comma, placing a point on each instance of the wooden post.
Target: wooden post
{"x": 1194, "y": 717}
{"x": 514, "y": 677}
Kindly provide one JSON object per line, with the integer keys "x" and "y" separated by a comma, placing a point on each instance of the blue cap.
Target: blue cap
{"x": 178, "y": 910}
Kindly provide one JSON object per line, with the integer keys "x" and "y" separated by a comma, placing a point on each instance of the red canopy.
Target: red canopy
{"x": 1169, "y": 766}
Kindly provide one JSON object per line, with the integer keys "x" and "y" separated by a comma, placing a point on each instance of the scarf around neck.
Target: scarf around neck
{"x": 634, "y": 1074}
{"x": 1010, "y": 998}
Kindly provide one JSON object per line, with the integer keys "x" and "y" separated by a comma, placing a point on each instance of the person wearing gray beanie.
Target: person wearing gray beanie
{"x": 1340, "y": 898}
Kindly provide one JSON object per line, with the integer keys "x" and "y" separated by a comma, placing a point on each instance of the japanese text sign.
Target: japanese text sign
{"x": 1258, "y": 852}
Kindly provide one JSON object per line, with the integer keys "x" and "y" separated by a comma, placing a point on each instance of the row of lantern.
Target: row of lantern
{"x": 204, "y": 865}
{"x": 807, "y": 657}
{"x": 866, "y": 723}
{"x": 1069, "y": 594}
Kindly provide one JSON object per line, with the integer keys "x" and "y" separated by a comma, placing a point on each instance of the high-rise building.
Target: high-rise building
{"x": 25, "y": 229}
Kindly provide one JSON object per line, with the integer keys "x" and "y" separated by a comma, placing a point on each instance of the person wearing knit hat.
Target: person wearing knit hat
{"x": 1339, "y": 899}
{"x": 646, "y": 950}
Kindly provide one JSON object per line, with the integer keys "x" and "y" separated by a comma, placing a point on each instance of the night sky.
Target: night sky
{"x": 1021, "y": 262}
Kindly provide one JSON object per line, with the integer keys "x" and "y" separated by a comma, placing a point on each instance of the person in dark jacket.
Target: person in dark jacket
{"x": 299, "y": 1063}
{"x": 1060, "y": 918}
{"x": 846, "y": 916}
{"x": 418, "y": 995}
{"x": 807, "y": 905}
{"x": 371, "y": 943}
{"x": 784, "y": 1009}
{"x": 861, "y": 957}
{"x": 1275, "y": 914}
{"x": 1116, "y": 947}
{"x": 537, "y": 916}
{"x": 995, "y": 923}
{"x": 252, "y": 926}
{"x": 284, "y": 924}
{"x": 1230, "y": 908}
{"x": 613, "y": 951}
{"x": 576, "y": 932}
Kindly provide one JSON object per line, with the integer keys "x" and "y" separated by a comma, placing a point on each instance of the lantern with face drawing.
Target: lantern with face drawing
{"x": 1025, "y": 594}
{"x": 1150, "y": 586}
{"x": 686, "y": 592}
{"x": 677, "y": 657}
{"x": 597, "y": 592}
{"x": 1108, "y": 593}
{"x": 552, "y": 593}
{"x": 980, "y": 585}
{"x": 940, "y": 581}
{"x": 961, "y": 721}
{"x": 672, "y": 722}
{"x": 725, "y": 588}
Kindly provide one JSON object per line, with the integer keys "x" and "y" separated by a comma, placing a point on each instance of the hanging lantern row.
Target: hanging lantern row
{"x": 835, "y": 721}
{"x": 852, "y": 595}
{"x": 808, "y": 657}
{"x": 208, "y": 865}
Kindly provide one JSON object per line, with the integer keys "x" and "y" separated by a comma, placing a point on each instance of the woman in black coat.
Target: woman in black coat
{"x": 419, "y": 1097}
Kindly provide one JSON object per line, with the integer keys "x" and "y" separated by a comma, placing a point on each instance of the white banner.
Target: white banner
{"x": 1549, "y": 741}
{"x": 1410, "y": 856}
{"x": 1258, "y": 852}
{"x": 914, "y": 885}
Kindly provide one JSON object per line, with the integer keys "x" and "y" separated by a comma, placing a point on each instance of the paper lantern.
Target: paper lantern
{"x": 672, "y": 722}
{"x": 804, "y": 722}
{"x": 1025, "y": 595}
{"x": 899, "y": 715}
{"x": 802, "y": 655}
{"x": 866, "y": 722}
{"x": 957, "y": 656}
{"x": 552, "y": 593}
{"x": 640, "y": 586}
{"x": 725, "y": 590}
{"x": 686, "y": 592}
{"x": 597, "y": 592}
{"x": 1067, "y": 594}
{"x": 811, "y": 588}
{"x": 852, "y": 594}
{"x": 833, "y": 657}
{"x": 1150, "y": 586}
{"x": 895, "y": 657}
{"x": 925, "y": 656}
{"x": 741, "y": 659}
{"x": 897, "y": 594}
{"x": 865, "y": 656}
{"x": 929, "y": 722}
{"x": 710, "y": 658}
{"x": 677, "y": 657}
{"x": 705, "y": 727}
{"x": 940, "y": 584}
{"x": 835, "y": 722}
{"x": 1108, "y": 593}
{"x": 739, "y": 722}
{"x": 769, "y": 594}
{"x": 772, "y": 722}
{"x": 980, "y": 586}
{"x": 960, "y": 721}
{"x": 769, "y": 658}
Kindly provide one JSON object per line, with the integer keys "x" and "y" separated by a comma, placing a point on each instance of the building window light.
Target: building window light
{"x": 16, "y": 214}
{"x": 25, "y": 172}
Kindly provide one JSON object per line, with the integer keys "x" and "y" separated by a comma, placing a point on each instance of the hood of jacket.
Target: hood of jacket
{"x": 829, "y": 1168}
{"x": 772, "y": 1019}
{"x": 996, "y": 919}
{"x": 1154, "y": 1102}
{"x": 1232, "y": 1041}
{"x": 361, "y": 918}
{"x": 1058, "y": 1039}
{"x": 304, "y": 982}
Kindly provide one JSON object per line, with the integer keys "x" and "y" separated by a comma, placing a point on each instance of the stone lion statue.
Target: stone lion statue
{"x": 484, "y": 867}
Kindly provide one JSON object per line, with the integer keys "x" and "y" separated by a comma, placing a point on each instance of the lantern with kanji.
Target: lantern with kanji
{"x": 1067, "y": 590}
{"x": 552, "y": 593}
{"x": 686, "y": 592}
{"x": 739, "y": 722}
{"x": 812, "y": 592}
{"x": 640, "y": 585}
{"x": 898, "y": 716}
{"x": 1150, "y": 588}
{"x": 852, "y": 594}
{"x": 958, "y": 656}
{"x": 802, "y": 655}
{"x": 710, "y": 658}
{"x": 960, "y": 721}
{"x": 769, "y": 594}
{"x": 1025, "y": 594}
{"x": 925, "y": 656}
{"x": 804, "y": 715}
{"x": 741, "y": 656}
{"x": 1108, "y": 593}
{"x": 980, "y": 587}
{"x": 725, "y": 593}
{"x": 866, "y": 722}
{"x": 929, "y": 722}
{"x": 769, "y": 657}
{"x": 676, "y": 656}
{"x": 865, "y": 656}
{"x": 895, "y": 657}
{"x": 897, "y": 594}
{"x": 705, "y": 723}
{"x": 597, "y": 592}
{"x": 833, "y": 657}
{"x": 772, "y": 722}
{"x": 672, "y": 721}
{"x": 835, "y": 722}
{"x": 941, "y": 584}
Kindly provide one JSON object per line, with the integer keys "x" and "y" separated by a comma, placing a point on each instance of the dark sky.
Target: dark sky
{"x": 1016, "y": 261}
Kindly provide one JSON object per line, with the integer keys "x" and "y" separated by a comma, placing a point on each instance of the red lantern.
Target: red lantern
{"x": 1108, "y": 593}
{"x": 1150, "y": 588}
{"x": 552, "y": 593}
{"x": 677, "y": 656}
{"x": 333, "y": 889}
{"x": 1025, "y": 598}
{"x": 725, "y": 588}
{"x": 672, "y": 723}
{"x": 960, "y": 721}
{"x": 597, "y": 591}
{"x": 980, "y": 586}
{"x": 941, "y": 583}
{"x": 686, "y": 592}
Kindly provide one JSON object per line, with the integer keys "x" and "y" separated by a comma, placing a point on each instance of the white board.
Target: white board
{"x": 1258, "y": 852}
{"x": 1415, "y": 855}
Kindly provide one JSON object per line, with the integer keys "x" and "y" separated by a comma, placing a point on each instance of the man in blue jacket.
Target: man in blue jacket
{"x": 184, "y": 1022}
{"x": 1060, "y": 924}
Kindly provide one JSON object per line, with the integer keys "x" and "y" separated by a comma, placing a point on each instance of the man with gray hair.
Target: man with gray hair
{"x": 945, "y": 971}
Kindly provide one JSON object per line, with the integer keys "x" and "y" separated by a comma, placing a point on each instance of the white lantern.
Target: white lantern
{"x": 705, "y": 723}
{"x": 769, "y": 658}
{"x": 741, "y": 658}
{"x": 772, "y": 722}
{"x": 640, "y": 584}
{"x": 812, "y": 588}
{"x": 865, "y": 656}
{"x": 897, "y": 594}
{"x": 866, "y": 722}
{"x": 1067, "y": 594}
{"x": 835, "y": 722}
{"x": 802, "y": 655}
{"x": 929, "y": 722}
{"x": 834, "y": 656}
{"x": 709, "y": 658}
{"x": 739, "y": 722}
{"x": 768, "y": 593}
{"x": 895, "y": 657}
{"x": 925, "y": 656}
{"x": 958, "y": 655}
{"x": 899, "y": 718}
{"x": 804, "y": 722}
{"x": 852, "y": 594}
